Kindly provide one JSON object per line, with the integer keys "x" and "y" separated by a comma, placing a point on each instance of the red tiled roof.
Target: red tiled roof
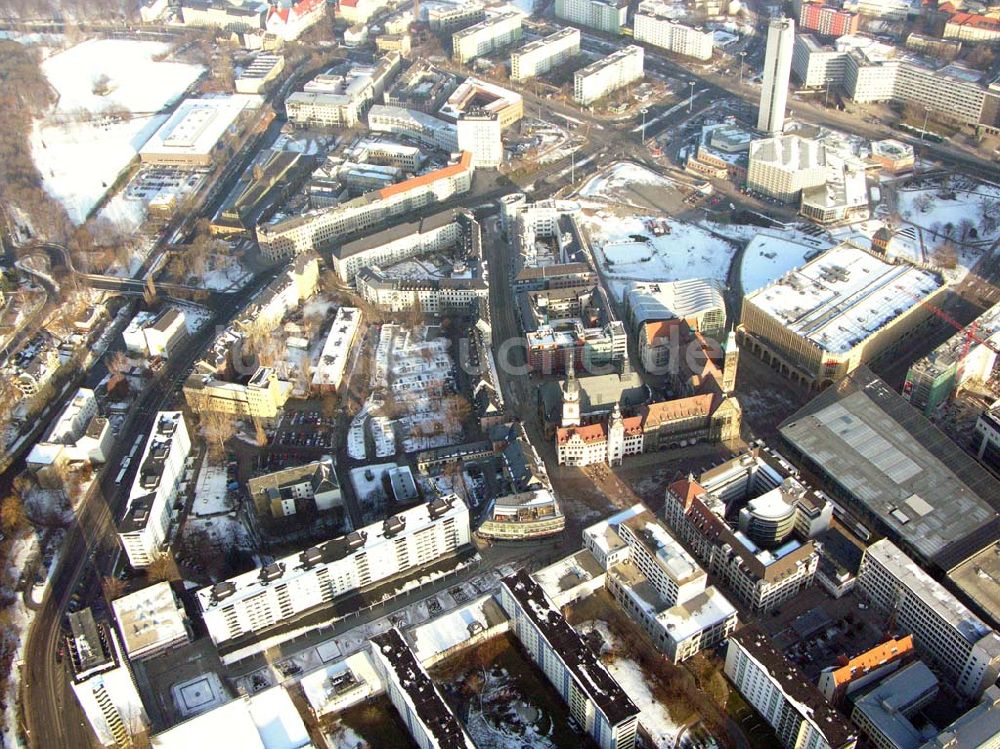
{"x": 589, "y": 433}
{"x": 879, "y": 655}
{"x": 425, "y": 179}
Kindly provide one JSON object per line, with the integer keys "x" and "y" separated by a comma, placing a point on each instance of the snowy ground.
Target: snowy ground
{"x": 195, "y": 316}
{"x": 211, "y": 496}
{"x": 609, "y": 183}
{"x": 654, "y": 717}
{"x": 369, "y": 490}
{"x": 626, "y": 250}
{"x": 226, "y": 273}
{"x": 770, "y": 255}
{"x": 79, "y": 148}
{"x": 937, "y": 208}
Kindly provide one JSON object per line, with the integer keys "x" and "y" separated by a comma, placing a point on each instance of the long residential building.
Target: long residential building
{"x": 542, "y": 55}
{"x": 654, "y": 26}
{"x": 486, "y": 36}
{"x": 783, "y": 696}
{"x": 602, "y": 77}
{"x": 945, "y": 632}
{"x": 608, "y": 16}
{"x": 837, "y": 682}
{"x": 143, "y": 529}
{"x": 330, "y": 225}
{"x": 596, "y": 701}
{"x": 659, "y": 584}
{"x": 253, "y": 603}
{"x": 433, "y": 233}
{"x": 416, "y": 698}
{"x": 845, "y": 307}
{"x": 103, "y": 682}
{"x": 827, "y": 20}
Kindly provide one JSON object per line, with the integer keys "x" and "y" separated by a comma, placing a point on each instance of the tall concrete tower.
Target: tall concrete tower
{"x": 777, "y": 70}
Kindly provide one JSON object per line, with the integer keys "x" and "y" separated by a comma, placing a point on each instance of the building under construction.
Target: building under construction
{"x": 969, "y": 355}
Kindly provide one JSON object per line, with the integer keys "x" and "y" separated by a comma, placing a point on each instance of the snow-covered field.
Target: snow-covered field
{"x": 626, "y": 250}
{"x": 935, "y": 208}
{"x": 610, "y": 182}
{"x": 211, "y": 497}
{"x": 769, "y": 256}
{"x": 80, "y": 148}
{"x": 654, "y": 716}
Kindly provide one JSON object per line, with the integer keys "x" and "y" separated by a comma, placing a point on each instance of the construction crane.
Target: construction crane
{"x": 970, "y": 330}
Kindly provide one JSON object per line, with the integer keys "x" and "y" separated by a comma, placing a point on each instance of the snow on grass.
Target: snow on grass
{"x": 626, "y": 250}
{"x": 769, "y": 256}
{"x": 195, "y": 316}
{"x": 610, "y": 182}
{"x": 935, "y": 208}
{"x": 344, "y": 737}
{"x": 78, "y": 148}
{"x": 447, "y": 631}
{"x": 211, "y": 496}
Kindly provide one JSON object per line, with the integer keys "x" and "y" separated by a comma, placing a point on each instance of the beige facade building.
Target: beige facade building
{"x": 783, "y": 166}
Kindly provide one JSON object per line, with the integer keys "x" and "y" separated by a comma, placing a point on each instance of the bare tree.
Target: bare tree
{"x": 218, "y": 429}
{"x": 12, "y": 516}
{"x": 112, "y": 588}
{"x": 118, "y": 363}
{"x": 162, "y": 569}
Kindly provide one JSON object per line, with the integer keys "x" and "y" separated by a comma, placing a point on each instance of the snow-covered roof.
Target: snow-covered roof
{"x": 843, "y": 296}
{"x": 195, "y": 126}
{"x": 150, "y": 617}
{"x": 454, "y": 628}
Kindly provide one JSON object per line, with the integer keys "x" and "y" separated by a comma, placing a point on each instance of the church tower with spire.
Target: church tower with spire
{"x": 616, "y": 437}
{"x": 571, "y": 399}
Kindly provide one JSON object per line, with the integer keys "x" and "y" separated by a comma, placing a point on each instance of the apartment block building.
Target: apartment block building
{"x": 102, "y": 681}
{"x": 827, "y": 20}
{"x": 286, "y": 492}
{"x": 608, "y": 16}
{"x": 486, "y": 36}
{"x": 542, "y": 55}
{"x": 657, "y": 583}
{"x": 251, "y": 604}
{"x": 479, "y": 133}
{"x": 416, "y": 698}
{"x": 143, "y": 529}
{"x": 322, "y": 227}
{"x": 945, "y": 632}
{"x": 602, "y": 77}
{"x": 596, "y": 701}
{"x": 817, "y": 65}
{"x": 783, "y": 696}
{"x": 653, "y": 26}
{"x": 261, "y": 396}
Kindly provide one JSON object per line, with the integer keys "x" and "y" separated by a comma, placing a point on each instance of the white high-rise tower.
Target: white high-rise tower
{"x": 777, "y": 70}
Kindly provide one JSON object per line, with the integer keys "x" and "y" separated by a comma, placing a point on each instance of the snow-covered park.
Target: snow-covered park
{"x": 610, "y": 184}
{"x": 626, "y": 249}
{"x": 953, "y": 210}
{"x": 112, "y": 94}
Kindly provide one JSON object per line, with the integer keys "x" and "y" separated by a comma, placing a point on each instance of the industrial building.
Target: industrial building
{"x": 891, "y": 471}
{"x": 256, "y": 77}
{"x": 608, "y": 16}
{"x": 272, "y": 177}
{"x": 602, "y": 77}
{"x": 542, "y": 55}
{"x": 946, "y": 634}
{"x": 596, "y": 701}
{"x": 487, "y": 36}
{"x": 818, "y": 323}
{"x": 782, "y": 694}
{"x": 256, "y": 602}
{"x": 655, "y": 24}
{"x": 143, "y": 529}
{"x": 969, "y": 355}
{"x": 194, "y": 134}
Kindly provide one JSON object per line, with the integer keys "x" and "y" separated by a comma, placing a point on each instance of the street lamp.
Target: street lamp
{"x": 644, "y": 111}
{"x": 691, "y": 97}
{"x": 743, "y": 55}
{"x": 924, "y": 131}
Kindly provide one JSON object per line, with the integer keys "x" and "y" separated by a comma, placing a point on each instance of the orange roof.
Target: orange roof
{"x": 879, "y": 655}
{"x": 661, "y": 329}
{"x": 463, "y": 165}
{"x": 973, "y": 19}
{"x": 588, "y": 433}
{"x": 687, "y": 490}
{"x": 633, "y": 425}
{"x": 666, "y": 411}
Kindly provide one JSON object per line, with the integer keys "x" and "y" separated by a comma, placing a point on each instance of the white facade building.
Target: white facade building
{"x": 600, "y": 78}
{"x": 604, "y": 15}
{"x": 782, "y": 694}
{"x": 783, "y": 166}
{"x": 486, "y": 36}
{"x": 946, "y": 633}
{"x": 653, "y": 27}
{"x": 102, "y": 681}
{"x": 596, "y": 701}
{"x": 479, "y": 134}
{"x": 151, "y": 621}
{"x": 542, "y": 55}
{"x": 156, "y": 335}
{"x": 161, "y": 467}
{"x": 328, "y": 374}
{"x": 256, "y": 601}
{"x": 777, "y": 71}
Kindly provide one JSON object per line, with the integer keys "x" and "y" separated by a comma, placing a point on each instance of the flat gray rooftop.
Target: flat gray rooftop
{"x": 896, "y": 470}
